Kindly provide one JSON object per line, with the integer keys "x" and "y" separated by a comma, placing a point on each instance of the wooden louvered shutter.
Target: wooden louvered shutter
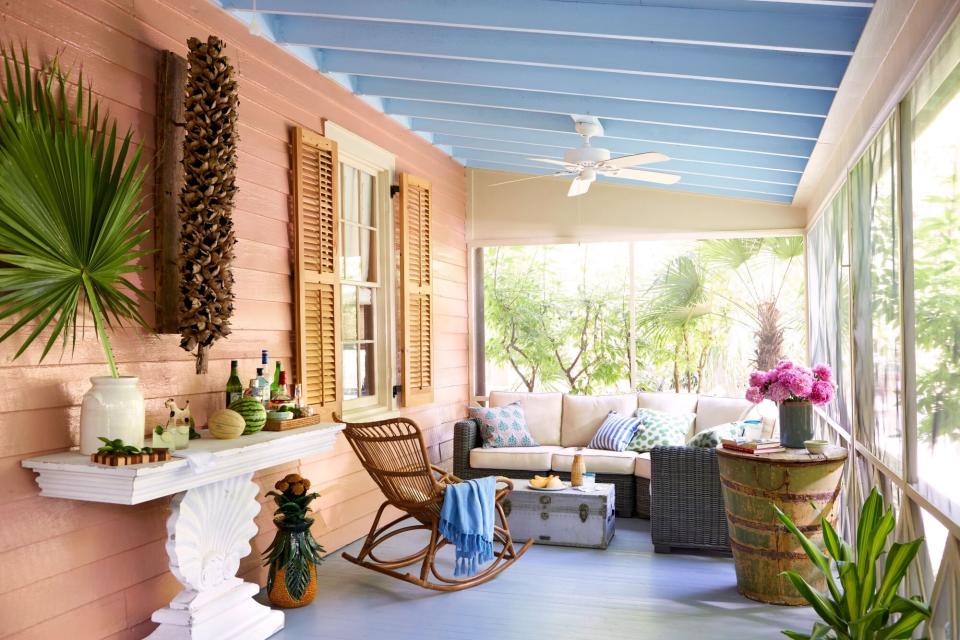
{"x": 416, "y": 289}
{"x": 316, "y": 183}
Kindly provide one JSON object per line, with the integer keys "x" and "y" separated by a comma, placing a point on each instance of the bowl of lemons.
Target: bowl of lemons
{"x": 547, "y": 483}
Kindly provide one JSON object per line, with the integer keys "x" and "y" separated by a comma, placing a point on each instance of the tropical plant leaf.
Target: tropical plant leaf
{"x": 898, "y": 561}
{"x": 784, "y": 247}
{"x": 902, "y": 628}
{"x": 70, "y": 225}
{"x": 731, "y": 253}
{"x": 838, "y": 549}
{"x": 824, "y": 608}
{"x": 850, "y": 581}
{"x": 820, "y": 560}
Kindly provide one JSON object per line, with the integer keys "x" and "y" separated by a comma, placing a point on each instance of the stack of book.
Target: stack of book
{"x": 758, "y": 447}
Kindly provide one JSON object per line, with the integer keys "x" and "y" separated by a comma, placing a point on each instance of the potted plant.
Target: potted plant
{"x": 70, "y": 232}
{"x": 859, "y": 604}
{"x": 795, "y": 389}
{"x": 294, "y": 555}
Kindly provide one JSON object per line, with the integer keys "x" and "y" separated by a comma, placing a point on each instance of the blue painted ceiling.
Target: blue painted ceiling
{"x": 734, "y": 91}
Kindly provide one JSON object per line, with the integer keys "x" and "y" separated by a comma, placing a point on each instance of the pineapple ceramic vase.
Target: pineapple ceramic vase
{"x": 112, "y": 408}
{"x": 301, "y": 590}
{"x": 294, "y": 555}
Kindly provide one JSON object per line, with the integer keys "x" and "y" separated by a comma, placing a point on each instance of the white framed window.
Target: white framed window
{"x": 367, "y": 280}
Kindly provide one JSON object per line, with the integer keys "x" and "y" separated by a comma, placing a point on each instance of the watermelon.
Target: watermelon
{"x": 253, "y": 413}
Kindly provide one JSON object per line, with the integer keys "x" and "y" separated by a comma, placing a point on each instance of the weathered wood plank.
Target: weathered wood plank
{"x": 168, "y": 176}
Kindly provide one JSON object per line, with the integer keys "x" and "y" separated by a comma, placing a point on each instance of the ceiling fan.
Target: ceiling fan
{"x": 585, "y": 163}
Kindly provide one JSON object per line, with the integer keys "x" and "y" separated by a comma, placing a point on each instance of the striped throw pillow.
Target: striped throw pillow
{"x": 615, "y": 433}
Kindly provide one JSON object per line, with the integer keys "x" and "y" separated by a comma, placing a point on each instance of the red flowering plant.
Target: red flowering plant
{"x": 789, "y": 382}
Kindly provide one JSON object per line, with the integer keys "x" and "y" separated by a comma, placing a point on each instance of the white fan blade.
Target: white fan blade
{"x": 548, "y": 175}
{"x": 647, "y": 176}
{"x": 559, "y": 163}
{"x": 635, "y": 160}
{"x": 578, "y": 187}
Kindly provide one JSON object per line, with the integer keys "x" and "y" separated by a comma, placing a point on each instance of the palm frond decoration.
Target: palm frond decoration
{"x": 70, "y": 210}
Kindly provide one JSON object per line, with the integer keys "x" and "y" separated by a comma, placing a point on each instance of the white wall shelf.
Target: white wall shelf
{"x": 210, "y": 524}
{"x": 72, "y": 475}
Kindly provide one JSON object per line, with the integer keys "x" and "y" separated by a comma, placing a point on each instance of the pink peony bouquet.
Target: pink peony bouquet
{"x": 791, "y": 382}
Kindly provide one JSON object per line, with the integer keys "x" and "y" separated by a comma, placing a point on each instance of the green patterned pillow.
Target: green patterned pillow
{"x": 660, "y": 429}
{"x": 502, "y": 426}
{"x": 710, "y": 438}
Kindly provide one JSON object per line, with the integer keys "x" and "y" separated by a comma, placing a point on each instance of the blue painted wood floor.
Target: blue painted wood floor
{"x": 625, "y": 592}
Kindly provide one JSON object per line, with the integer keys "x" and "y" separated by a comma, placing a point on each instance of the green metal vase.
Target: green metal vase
{"x": 796, "y": 423}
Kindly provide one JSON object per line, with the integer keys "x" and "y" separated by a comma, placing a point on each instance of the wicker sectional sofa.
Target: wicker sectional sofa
{"x": 564, "y": 424}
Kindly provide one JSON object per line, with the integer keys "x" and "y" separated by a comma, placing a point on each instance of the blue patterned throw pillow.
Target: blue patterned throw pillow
{"x": 502, "y": 426}
{"x": 615, "y": 433}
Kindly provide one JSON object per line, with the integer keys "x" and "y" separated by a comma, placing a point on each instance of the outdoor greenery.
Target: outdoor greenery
{"x": 558, "y": 317}
{"x": 549, "y": 336}
{"x": 862, "y": 603}
{"x": 937, "y": 287}
{"x": 70, "y": 220}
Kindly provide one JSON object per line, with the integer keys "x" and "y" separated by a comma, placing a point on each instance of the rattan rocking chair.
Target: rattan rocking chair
{"x": 393, "y": 453}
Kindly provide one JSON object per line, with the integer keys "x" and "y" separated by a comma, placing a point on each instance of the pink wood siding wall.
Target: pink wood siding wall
{"x": 85, "y": 570}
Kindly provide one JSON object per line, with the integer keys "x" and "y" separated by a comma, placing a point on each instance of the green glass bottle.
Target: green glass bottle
{"x": 234, "y": 386}
{"x": 275, "y": 385}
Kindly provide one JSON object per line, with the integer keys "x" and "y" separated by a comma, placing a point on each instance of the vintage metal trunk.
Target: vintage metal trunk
{"x": 570, "y": 518}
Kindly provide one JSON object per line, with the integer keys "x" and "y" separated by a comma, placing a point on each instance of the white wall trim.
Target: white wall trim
{"x": 362, "y": 154}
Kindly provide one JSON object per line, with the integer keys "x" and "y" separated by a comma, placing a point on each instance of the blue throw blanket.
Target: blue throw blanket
{"x": 466, "y": 520}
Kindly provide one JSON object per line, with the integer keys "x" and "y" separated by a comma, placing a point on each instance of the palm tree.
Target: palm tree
{"x": 678, "y": 302}
{"x": 742, "y": 259}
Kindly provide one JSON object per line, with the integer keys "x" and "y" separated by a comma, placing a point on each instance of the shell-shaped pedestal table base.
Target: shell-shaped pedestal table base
{"x": 208, "y": 531}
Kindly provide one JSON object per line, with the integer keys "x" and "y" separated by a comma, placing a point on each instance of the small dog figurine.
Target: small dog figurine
{"x": 180, "y": 419}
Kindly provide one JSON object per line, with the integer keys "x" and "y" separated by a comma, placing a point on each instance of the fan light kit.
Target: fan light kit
{"x": 585, "y": 162}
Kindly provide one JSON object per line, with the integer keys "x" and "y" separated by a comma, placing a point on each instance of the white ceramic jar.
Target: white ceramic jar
{"x": 112, "y": 408}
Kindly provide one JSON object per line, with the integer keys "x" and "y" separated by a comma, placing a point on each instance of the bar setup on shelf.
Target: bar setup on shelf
{"x": 210, "y": 524}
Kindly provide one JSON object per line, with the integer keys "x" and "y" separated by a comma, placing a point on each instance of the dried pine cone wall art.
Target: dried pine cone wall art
{"x": 206, "y": 200}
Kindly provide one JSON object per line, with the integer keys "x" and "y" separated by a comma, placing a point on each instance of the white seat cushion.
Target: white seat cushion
{"x": 513, "y": 458}
{"x": 596, "y": 460}
{"x": 583, "y": 415}
{"x": 642, "y": 465}
{"x": 712, "y": 411}
{"x": 542, "y": 412}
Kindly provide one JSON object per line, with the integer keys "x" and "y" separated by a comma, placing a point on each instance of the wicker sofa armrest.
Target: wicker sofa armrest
{"x": 466, "y": 436}
{"x": 687, "y": 508}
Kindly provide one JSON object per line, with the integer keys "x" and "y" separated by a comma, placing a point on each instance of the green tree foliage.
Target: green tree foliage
{"x": 937, "y": 291}
{"x": 551, "y": 333}
{"x": 559, "y": 322}
{"x": 695, "y": 298}
{"x": 676, "y": 325}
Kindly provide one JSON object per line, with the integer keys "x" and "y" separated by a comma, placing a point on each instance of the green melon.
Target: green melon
{"x": 253, "y": 413}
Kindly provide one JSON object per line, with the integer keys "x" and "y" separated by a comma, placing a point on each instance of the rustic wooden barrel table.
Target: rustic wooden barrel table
{"x": 805, "y": 487}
